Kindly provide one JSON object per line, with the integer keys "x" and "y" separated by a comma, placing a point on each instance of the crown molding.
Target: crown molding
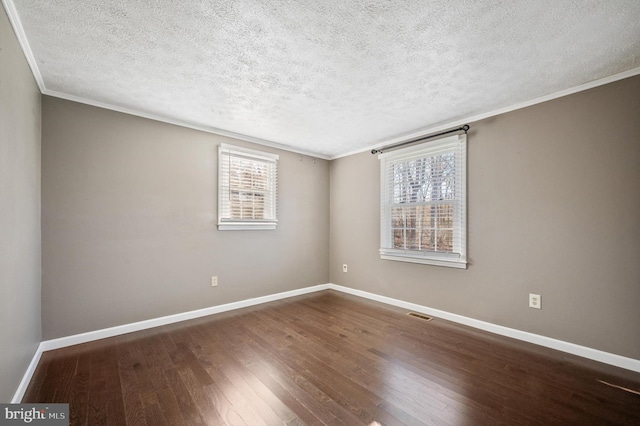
{"x": 18, "y": 29}
{"x": 14, "y": 19}
{"x": 26, "y": 48}
{"x": 397, "y": 139}
{"x": 470, "y": 119}
{"x": 202, "y": 128}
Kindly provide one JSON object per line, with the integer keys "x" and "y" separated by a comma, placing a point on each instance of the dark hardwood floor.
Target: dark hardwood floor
{"x": 328, "y": 359}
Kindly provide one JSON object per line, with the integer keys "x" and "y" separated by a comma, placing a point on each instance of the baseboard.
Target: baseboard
{"x": 582, "y": 351}
{"x": 560, "y": 345}
{"x": 76, "y": 339}
{"x": 26, "y": 378}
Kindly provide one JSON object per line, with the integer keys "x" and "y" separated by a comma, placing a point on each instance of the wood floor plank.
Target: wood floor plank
{"x": 239, "y": 365}
{"x": 134, "y": 412}
{"x": 251, "y": 407}
{"x": 319, "y": 399}
{"x": 328, "y": 359}
{"x": 303, "y": 392}
{"x": 170, "y": 407}
{"x": 288, "y": 408}
{"x": 105, "y": 404}
{"x": 188, "y": 407}
{"x": 222, "y": 393}
{"x": 79, "y": 398}
{"x": 51, "y": 367}
{"x": 349, "y": 363}
{"x": 198, "y": 392}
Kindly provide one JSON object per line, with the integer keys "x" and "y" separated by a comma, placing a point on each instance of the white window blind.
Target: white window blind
{"x": 423, "y": 203}
{"x": 247, "y": 188}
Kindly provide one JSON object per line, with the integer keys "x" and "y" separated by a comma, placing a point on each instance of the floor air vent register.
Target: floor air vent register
{"x": 420, "y": 316}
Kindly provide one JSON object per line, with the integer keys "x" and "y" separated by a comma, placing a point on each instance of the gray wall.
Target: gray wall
{"x": 129, "y": 209}
{"x": 19, "y": 212}
{"x": 554, "y": 209}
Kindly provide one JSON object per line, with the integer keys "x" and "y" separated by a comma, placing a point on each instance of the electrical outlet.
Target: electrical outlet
{"x": 535, "y": 301}
{"x": 344, "y": 267}
{"x": 214, "y": 281}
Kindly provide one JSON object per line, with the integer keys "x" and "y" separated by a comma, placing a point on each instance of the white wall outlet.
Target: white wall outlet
{"x": 344, "y": 267}
{"x": 214, "y": 281}
{"x": 535, "y": 301}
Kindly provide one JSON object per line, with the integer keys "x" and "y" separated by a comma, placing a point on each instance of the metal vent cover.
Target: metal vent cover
{"x": 420, "y": 316}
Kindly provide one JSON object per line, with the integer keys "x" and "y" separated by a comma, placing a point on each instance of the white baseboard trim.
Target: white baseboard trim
{"x": 62, "y": 342}
{"x": 26, "y": 378}
{"x": 582, "y": 351}
{"x": 560, "y": 345}
{"x": 76, "y": 339}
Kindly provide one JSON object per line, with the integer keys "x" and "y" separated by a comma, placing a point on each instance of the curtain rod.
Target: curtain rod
{"x": 464, "y": 128}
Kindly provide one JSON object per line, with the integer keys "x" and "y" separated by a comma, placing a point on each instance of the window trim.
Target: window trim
{"x": 457, "y": 143}
{"x": 229, "y": 224}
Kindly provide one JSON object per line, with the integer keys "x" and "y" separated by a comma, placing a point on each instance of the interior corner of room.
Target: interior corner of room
{"x": 108, "y": 219}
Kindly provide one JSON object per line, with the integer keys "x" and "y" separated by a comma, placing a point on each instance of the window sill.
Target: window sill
{"x": 244, "y": 226}
{"x": 425, "y": 261}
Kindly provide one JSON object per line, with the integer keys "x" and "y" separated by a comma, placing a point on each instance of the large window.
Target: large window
{"x": 423, "y": 203}
{"x": 247, "y": 188}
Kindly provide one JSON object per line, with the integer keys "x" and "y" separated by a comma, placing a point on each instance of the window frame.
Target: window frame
{"x": 456, "y": 144}
{"x": 225, "y": 221}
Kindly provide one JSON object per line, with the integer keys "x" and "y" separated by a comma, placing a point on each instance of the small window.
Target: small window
{"x": 247, "y": 188}
{"x": 423, "y": 203}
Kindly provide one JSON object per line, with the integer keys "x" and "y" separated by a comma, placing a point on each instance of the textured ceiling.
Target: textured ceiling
{"x": 326, "y": 77}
